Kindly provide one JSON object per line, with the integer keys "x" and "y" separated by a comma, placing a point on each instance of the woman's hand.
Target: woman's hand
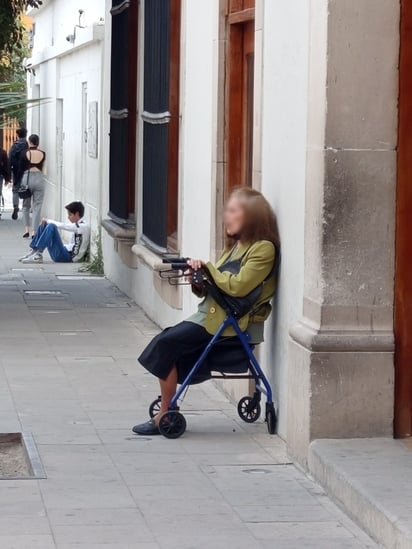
{"x": 195, "y": 264}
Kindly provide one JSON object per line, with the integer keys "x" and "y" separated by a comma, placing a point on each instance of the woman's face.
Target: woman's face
{"x": 234, "y": 217}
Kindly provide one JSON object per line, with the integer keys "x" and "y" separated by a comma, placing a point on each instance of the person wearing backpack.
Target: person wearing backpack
{"x": 15, "y": 157}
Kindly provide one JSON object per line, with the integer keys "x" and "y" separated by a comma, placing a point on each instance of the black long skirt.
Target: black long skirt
{"x": 179, "y": 346}
{"x": 183, "y": 344}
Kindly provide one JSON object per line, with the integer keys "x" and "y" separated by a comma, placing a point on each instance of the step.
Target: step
{"x": 371, "y": 479}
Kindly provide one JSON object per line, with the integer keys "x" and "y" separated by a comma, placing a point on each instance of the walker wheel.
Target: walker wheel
{"x": 172, "y": 424}
{"x": 154, "y": 408}
{"x": 271, "y": 419}
{"x": 248, "y": 410}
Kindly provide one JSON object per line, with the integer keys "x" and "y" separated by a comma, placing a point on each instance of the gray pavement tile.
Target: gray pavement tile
{"x": 255, "y": 457}
{"x": 128, "y": 545}
{"x": 107, "y": 404}
{"x": 114, "y": 419}
{"x": 325, "y": 543}
{"x": 187, "y": 538}
{"x": 49, "y": 407}
{"x": 84, "y": 360}
{"x": 11, "y": 525}
{"x": 281, "y": 512}
{"x": 187, "y": 511}
{"x": 75, "y": 516}
{"x": 66, "y": 434}
{"x": 124, "y": 440}
{"x": 62, "y": 461}
{"x": 51, "y": 428}
{"x": 123, "y": 445}
{"x": 27, "y": 541}
{"x": 20, "y": 498}
{"x": 277, "y": 494}
{"x": 39, "y": 361}
{"x": 227, "y": 524}
{"x": 173, "y": 484}
{"x": 225, "y": 441}
{"x": 83, "y": 493}
{"x": 137, "y": 459}
{"x": 299, "y": 530}
{"x": 102, "y": 533}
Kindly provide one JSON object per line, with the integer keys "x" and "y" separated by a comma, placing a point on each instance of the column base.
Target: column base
{"x": 340, "y": 385}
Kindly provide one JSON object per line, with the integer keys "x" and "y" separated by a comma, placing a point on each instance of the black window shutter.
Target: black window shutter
{"x": 122, "y": 112}
{"x": 156, "y": 118}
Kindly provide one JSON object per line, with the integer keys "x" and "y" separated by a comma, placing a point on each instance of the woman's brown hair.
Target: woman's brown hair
{"x": 260, "y": 219}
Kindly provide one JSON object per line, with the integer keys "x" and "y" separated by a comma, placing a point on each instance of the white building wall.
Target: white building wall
{"x": 80, "y": 182}
{"x": 197, "y": 139}
{"x": 60, "y": 69}
{"x": 284, "y": 116}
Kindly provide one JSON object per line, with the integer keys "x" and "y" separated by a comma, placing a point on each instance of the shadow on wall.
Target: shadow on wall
{"x": 274, "y": 341}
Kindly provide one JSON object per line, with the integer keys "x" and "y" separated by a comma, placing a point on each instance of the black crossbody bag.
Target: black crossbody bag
{"x": 24, "y": 191}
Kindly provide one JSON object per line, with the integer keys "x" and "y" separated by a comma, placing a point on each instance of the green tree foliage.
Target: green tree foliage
{"x": 13, "y": 50}
{"x": 11, "y": 28}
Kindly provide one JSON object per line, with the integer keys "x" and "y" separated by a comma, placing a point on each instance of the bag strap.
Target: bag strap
{"x": 28, "y": 171}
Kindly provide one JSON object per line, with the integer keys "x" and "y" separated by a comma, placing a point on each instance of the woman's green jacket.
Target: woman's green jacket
{"x": 256, "y": 266}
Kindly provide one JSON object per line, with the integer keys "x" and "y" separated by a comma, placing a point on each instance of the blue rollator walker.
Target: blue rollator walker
{"x": 242, "y": 365}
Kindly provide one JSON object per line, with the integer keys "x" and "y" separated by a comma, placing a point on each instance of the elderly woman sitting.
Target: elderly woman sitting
{"x": 252, "y": 241}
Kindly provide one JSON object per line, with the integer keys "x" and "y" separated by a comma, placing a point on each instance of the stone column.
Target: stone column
{"x": 341, "y": 373}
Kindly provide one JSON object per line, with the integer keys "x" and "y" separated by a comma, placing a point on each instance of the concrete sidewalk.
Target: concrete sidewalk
{"x": 68, "y": 375}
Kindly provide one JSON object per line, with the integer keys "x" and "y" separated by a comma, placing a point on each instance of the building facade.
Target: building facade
{"x": 300, "y": 100}
{"x": 66, "y": 70}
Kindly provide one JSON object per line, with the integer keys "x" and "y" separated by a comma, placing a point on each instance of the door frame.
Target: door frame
{"x": 239, "y": 21}
{"x": 403, "y": 261}
{"x": 84, "y": 139}
{"x": 59, "y": 155}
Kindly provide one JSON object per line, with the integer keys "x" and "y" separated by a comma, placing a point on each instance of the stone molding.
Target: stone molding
{"x": 324, "y": 341}
{"x": 119, "y": 232}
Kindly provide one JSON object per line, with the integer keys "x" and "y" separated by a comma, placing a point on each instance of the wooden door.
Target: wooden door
{"x": 403, "y": 277}
{"x": 240, "y": 93}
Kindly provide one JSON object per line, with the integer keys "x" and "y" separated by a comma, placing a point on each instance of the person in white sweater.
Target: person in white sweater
{"x": 48, "y": 237}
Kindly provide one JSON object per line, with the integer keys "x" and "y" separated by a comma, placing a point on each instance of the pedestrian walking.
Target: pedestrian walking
{"x": 4, "y": 174}
{"x": 32, "y": 185}
{"x": 16, "y": 151}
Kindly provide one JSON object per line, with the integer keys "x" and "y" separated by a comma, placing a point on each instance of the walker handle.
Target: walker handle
{"x": 179, "y": 266}
{"x": 176, "y": 260}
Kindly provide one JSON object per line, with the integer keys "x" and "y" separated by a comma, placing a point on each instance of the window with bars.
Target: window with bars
{"x": 161, "y": 123}
{"x": 123, "y": 111}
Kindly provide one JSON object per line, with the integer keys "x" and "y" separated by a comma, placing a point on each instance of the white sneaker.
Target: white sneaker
{"x": 37, "y": 257}
{"x": 31, "y": 252}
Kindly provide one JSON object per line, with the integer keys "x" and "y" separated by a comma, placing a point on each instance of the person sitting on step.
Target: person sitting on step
{"x": 48, "y": 237}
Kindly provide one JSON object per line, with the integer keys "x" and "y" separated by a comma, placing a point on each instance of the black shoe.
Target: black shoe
{"x": 149, "y": 428}
{"x": 15, "y": 214}
{"x": 26, "y": 235}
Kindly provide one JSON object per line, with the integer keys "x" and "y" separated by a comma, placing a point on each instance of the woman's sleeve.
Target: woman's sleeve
{"x": 255, "y": 270}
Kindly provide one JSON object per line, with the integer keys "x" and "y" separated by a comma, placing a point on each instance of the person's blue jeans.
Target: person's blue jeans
{"x": 48, "y": 236}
